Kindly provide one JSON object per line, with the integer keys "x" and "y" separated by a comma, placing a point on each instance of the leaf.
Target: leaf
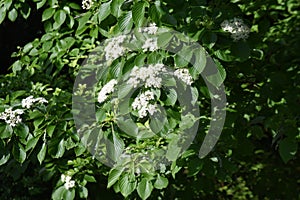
{"x": 173, "y": 149}
{"x": 21, "y": 130}
{"x": 199, "y": 61}
{"x": 126, "y": 185}
{"x": 161, "y": 182}
{"x": 19, "y": 153}
{"x": 89, "y": 178}
{"x": 218, "y": 78}
{"x": 69, "y": 194}
{"x": 125, "y": 22}
{"x": 113, "y": 177}
{"x": 127, "y": 126}
{"x": 115, "y": 8}
{"x": 164, "y": 39}
{"x": 223, "y": 55}
{"x": 3, "y": 14}
{"x": 104, "y": 11}
{"x": 157, "y": 122}
{"x": 287, "y": 149}
{"x": 6, "y": 131}
{"x": 47, "y": 13}
{"x": 58, "y": 193}
{"x": 12, "y": 15}
{"x": 40, "y": 4}
{"x": 59, "y": 18}
{"x": 144, "y": 188}
{"x": 138, "y": 12}
{"x": 83, "y": 192}
{"x": 41, "y": 155}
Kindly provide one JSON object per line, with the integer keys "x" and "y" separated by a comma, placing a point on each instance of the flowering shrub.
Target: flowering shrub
{"x": 127, "y": 98}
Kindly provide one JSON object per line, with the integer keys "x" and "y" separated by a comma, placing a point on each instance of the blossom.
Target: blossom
{"x": 114, "y": 48}
{"x": 151, "y": 29}
{"x": 12, "y": 117}
{"x": 87, "y": 4}
{"x": 148, "y": 75}
{"x": 29, "y": 101}
{"x": 150, "y": 44}
{"x": 106, "y": 90}
{"x": 183, "y": 74}
{"x": 238, "y": 29}
{"x": 69, "y": 183}
{"x": 142, "y": 104}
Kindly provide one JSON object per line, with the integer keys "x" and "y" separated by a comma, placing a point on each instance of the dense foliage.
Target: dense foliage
{"x": 255, "y": 46}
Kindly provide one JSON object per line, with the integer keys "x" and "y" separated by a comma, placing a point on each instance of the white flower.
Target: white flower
{"x": 106, "y": 90}
{"x": 69, "y": 183}
{"x": 142, "y": 104}
{"x": 12, "y": 117}
{"x": 87, "y": 4}
{"x": 147, "y": 75}
{"x": 114, "y": 48}
{"x": 150, "y": 44}
{"x": 238, "y": 29}
{"x": 151, "y": 29}
{"x": 183, "y": 74}
{"x": 29, "y": 101}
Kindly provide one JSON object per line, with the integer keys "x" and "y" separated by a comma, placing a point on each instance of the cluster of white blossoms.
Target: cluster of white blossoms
{"x": 106, "y": 90}
{"x": 148, "y": 75}
{"x": 69, "y": 183}
{"x": 151, "y": 29}
{"x": 238, "y": 29}
{"x": 142, "y": 104}
{"x": 29, "y": 101}
{"x": 150, "y": 45}
{"x": 114, "y": 48}
{"x": 183, "y": 74}
{"x": 87, "y": 4}
{"x": 12, "y": 117}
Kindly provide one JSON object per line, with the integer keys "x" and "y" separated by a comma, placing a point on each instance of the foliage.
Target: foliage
{"x": 256, "y": 156}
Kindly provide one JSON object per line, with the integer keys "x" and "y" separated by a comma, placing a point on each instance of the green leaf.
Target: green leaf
{"x": 89, "y": 178}
{"x": 113, "y": 177}
{"x": 126, "y": 185}
{"x": 69, "y": 194}
{"x": 12, "y": 15}
{"x": 40, "y": 4}
{"x": 41, "y": 155}
{"x": 223, "y": 55}
{"x": 125, "y": 22}
{"x": 50, "y": 130}
{"x": 156, "y": 12}
{"x": 104, "y": 11}
{"x": 128, "y": 126}
{"x": 4, "y": 159}
{"x": 21, "y": 130}
{"x": 83, "y": 192}
{"x": 138, "y": 12}
{"x": 173, "y": 149}
{"x": 47, "y": 13}
{"x": 288, "y": 148}
{"x": 6, "y": 131}
{"x": 59, "y": 18}
{"x": 58, "y": 193}
{"x": 164, "y": 39}
{"x": 161, "y": 182}
{"x": 31, "y": 143}
{"x": 218, "y": 78}
{"x": 115, "y": 8}
{"x": 3, "y": 14}
{"x": 157, "y": 122}
{"x": 144, "y": 188}
{"x": 19, "y": 153}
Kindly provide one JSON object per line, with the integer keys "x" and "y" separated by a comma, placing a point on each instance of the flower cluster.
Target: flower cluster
{"x": 150, "y": 45}
{"x": 106, "y": 90}
{"x": 12, "y": 117}
{"x": 142, "y": 104}
{"x": 29, "y": 101}
{"x": 148, "y": 75}
{"x": 114, "y": 48}
{"x": 69, "y": 183}
{"x": 238, "y": 29}
{"x": 183, "y": 74}
{"x": 87, "y": 4}
{"x": 151, "y": 29}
